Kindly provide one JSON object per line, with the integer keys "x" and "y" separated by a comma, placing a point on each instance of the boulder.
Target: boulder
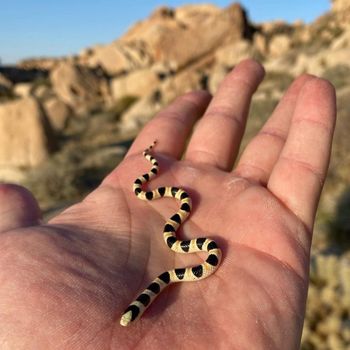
{"x": 41, "y": 63}
{"x": 336, "y": 57}
{"x": 193, "y": 77}
{"x": 340, "y": 5}
{"x": 138, "y": 83}
{"x": 23, "y": 89}
{"x": 279, "y": 45}
{"x": 25, "y": 135}
{"x": 260, "y": 43}
{"x": 231, "y": 54}
{"x": 172, "y": 37}
{"x": 183, "y": 35}
{"x": 57, "y": 112}
{"x": 42, "y": 92}
{"x": 118, "y": 57}
{"x": 217, "y": 75}
{"x": 341, "y": 42}
{"x": 139, "y": 114}
{"x": 109, "y": 57}
{"x": 79, "y": 87}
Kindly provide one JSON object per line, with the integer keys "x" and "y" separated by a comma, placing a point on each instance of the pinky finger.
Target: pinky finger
{"x": 298, "y": 176}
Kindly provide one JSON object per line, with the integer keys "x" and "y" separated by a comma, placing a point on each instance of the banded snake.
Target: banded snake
{"x": 135, "y": 310}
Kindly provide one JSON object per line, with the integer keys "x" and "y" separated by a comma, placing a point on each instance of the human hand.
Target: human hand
{"x": 65, "y": 284}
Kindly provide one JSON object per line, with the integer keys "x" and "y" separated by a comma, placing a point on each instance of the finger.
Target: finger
{"x": 299, "y": 173}
{"x": 18, "y": 208}
{"x": 217, "y": 136}
{"x": 172, "y": 126}
{"x": 262, "y": 152}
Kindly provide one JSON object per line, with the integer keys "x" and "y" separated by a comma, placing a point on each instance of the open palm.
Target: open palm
{"x": 65, "y": 284}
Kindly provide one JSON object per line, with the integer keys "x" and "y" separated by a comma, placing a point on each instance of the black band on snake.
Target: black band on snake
{"x": 195, "y": 273}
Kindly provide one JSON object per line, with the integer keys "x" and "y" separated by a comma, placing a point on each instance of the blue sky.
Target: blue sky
{"x": 30, "y": 28}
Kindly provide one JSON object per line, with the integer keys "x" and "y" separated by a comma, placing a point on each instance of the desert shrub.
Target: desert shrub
{"x": 338, "y": 75}
{"x": 339, "y": 225}
{"x": 121, "y": 105}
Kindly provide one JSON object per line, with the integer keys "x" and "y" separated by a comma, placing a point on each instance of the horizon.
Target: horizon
{"x": 33, "y": 28}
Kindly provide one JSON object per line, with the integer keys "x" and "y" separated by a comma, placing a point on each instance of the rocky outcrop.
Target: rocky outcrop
{"x": 175, "y": 37}
{"x": 79, "y": 87}
{"x": 25, "y": 135}
{"x": 139, "y": 114}
{"x": 138, "y": 84}
{"x": 189, "y": 32}
{"x": 231, "y": 54}
{"x": 340, "y": 5}
{"x": 279, "y": 45}
{"x": 118, "y": 58}
{"x": 57, "y": 113}
{"x": 44, "y": 63}
{"x": 23, "y": 89}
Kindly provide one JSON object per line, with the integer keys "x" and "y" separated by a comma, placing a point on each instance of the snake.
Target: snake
{"x": 136, "y": 309}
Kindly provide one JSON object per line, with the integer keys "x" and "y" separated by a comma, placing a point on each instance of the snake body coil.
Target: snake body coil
{"x": 143, "y": 301}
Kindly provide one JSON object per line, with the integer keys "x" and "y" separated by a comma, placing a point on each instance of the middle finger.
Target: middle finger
{"x": 217, "y": 137}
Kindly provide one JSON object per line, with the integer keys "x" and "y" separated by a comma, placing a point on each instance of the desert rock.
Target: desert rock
{"x": 57, "y": 112}
{"x": 189, "y": 32}
{"x": 138, "y": 83}
{"x": 23, "y": 89}
{"x": 139, "y": 114}
{"x": 176, "y": 36}
{"x": 279, "y": 45}
{"x": 231, "y": 54}
{"x": 118, "y": 57}
{"x": 25, "y": 136}
{"x": 79, "y": 87}
{"x": 340, "y": 5}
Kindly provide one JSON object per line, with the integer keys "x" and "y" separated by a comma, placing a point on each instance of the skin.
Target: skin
{"x": 64, "y": 284}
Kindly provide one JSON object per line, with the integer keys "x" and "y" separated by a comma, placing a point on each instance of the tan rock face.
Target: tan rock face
{"x": 231, "y": 54}
{"x": 25, "y": 136}
{"x": 279, "y": 45}
{"x": 139, "y": 114}
{"x": 39, "y": 63}
{"x": 138, "y": 83}
{"x": 260, "y": 43}
{"x": 78, "y": 87}
{"x": 175, "y": 37}
{"x": 187, "y": 33}
{"x": 57, "y": 112}
{"x": 23, "y": 89}
{"x": 340, "y": 5}
{"x": 119, "y": 57}
{"x": 42, "y": 92}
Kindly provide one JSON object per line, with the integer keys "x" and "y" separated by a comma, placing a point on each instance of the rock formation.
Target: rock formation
{"x": 340, "y": 5}
{"x": 175, "y": 37}
{"x": 25, "y": 136}
{"x": 79, "y": 87}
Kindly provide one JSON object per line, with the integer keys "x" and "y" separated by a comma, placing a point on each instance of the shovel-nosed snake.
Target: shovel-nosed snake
{"x": 195, "y": 273}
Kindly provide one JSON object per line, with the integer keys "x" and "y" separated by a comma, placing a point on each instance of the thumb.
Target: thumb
{"x": 18, "y": 208}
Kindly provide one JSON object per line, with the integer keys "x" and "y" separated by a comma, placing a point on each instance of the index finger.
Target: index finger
{"x": 172, "y": 125}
